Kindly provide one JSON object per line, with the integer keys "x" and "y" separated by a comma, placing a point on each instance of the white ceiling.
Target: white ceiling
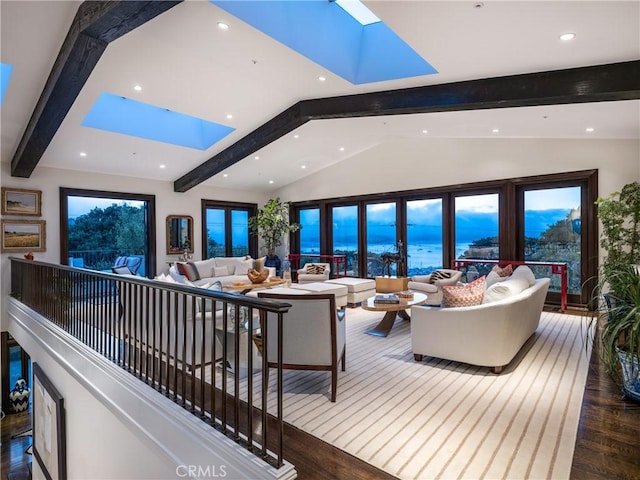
{"x": 186, "y": 64}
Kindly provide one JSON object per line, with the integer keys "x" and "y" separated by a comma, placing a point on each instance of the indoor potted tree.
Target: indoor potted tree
{"x": 271, "y": 223}
{"x": 618, "y": 318}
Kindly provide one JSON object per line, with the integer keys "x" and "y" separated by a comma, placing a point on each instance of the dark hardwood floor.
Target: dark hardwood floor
{"x": 607, "y": 445}
{"x": 608, "y": 442}
{"x": 15, "y": 462}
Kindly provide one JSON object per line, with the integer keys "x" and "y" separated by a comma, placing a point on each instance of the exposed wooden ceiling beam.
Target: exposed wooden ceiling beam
{"x": 599, "y": 83}
{"x": 95, "y": 25}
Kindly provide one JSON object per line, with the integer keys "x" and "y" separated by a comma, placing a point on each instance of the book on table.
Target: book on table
{"x": 386, "y": 298}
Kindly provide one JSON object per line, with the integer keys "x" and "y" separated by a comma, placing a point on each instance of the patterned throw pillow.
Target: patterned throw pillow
{"x": 189, "y": 270}
{"x": 314, "y": 269}
{"x": 463, "y": 295}
{"x": 439, "y": 275}
{"x": 503, "y": 272}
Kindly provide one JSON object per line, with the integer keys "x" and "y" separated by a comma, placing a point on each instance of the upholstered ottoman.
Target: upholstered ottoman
{"x": 279, "y": 290}
{"x": 340, "y": 291}
{"x": 358, "y": 289}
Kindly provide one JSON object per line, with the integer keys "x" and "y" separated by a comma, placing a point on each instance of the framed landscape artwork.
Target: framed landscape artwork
{"x": 24, "y": 236}
{"x": 18, "y": 201}
{"x": 49, "y": 434}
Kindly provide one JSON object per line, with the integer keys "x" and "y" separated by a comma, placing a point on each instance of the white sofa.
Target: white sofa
{"x": 489, "y": 334}
{"x": 226, "y": 270}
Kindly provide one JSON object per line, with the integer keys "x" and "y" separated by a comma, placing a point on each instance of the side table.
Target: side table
{"x": 391, "y": 284}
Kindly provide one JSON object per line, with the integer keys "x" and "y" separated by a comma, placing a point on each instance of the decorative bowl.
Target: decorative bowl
{"x": 256, "y": 276}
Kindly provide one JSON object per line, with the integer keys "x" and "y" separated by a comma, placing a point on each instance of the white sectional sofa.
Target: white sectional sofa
{"x": 489, "y": 334}
{"x": 226, "y": 270}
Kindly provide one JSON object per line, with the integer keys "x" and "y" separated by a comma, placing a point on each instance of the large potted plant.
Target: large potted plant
{"x": 618, "y": 285}
{"x": 271, "y": 223}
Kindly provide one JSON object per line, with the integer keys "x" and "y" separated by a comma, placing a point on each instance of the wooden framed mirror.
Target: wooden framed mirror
{"x": 179, "y": 234}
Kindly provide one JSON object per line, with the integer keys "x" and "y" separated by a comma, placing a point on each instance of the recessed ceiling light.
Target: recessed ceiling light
{"x": 270, "y": 181}
{"x": 229, "y": 116}
{"x": 296, "y": 136}
{"x": 303, "y": 167}
{"x": 589, "y": 129}
{"x": 83, "y": 154}
{"x": 225, "y": 175}
{"x": 321, "y": 78}
{"x": 256, "y": 157}
{"x": 223, "y": 26}
{"x": 425, "y": 131}
{"x": 565, "y": 37}
{"x": 495, "y": 130}
{"x": 163, "y": 166}
{"x": 137, "y": 88}
{"x": 342, "y": 149}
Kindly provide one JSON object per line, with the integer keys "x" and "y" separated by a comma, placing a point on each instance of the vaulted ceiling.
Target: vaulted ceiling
{"x": 488, "y": 57}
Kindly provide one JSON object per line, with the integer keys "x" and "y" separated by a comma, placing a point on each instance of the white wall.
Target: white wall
{"x": 117, "y": 427}
{"x": 406, "y": 164}
{"x": 168, "y": 202}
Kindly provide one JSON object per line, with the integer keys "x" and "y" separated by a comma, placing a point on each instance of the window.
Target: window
{"x": 310, "y": 230}
{"x": 97, "y": 227}
{"x": 552, "y": 232}
{"x": 345, "y": 235}
{"x": 381, "y": 236}
{"x": 239, "y": 232}
{"x": 424, "y": 236}
{"x": 476, "y": 227}
{"x": 549, "y": 218}
{"x": 216, "y": 233}
{"x": 226, "y": 229}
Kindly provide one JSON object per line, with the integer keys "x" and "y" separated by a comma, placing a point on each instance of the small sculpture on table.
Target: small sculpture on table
{"x": 398, "y": 258}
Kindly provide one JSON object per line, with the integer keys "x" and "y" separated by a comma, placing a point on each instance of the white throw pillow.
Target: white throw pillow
{"x": 175, "y": 275}
{"x": 492, "y": 277}
{"x": 508, "y": 288}
{"x": 220, "y": 271}
{"x": 217, "y": 287}
{"x": 525, "y": 272}
{"x": 229, "y": 262}
{"x": 243, "y": 265}
{"x": 205, "y": 267}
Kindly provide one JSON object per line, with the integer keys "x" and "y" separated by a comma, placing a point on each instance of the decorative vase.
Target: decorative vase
{"x": 19, "y": 396}
{"x": 630, "y": 375}
{"x": 286, "y": 272}
{"x": 274, "y": 261}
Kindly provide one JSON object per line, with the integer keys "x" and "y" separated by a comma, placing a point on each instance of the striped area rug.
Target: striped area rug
{"x": 440, "y": 419}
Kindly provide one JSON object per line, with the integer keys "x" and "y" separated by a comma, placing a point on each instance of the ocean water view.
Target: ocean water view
{"x": 422, "y": 258}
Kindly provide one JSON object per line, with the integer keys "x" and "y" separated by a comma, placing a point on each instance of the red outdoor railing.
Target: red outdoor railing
{"x": 557, "y": 268}
{"x": 338, "y": 262}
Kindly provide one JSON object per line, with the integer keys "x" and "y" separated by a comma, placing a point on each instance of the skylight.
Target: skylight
{"x": 357, "y": 10}
{"x": 5, "y": 75}
{"x": 118, "y": 114}
{"x": 326, "y": 34}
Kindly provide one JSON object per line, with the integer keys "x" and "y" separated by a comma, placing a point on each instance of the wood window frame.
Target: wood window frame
{"x": 511, "y": 218}
{"x": 65, "y": 193}
{"x": 251, "y": 209}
